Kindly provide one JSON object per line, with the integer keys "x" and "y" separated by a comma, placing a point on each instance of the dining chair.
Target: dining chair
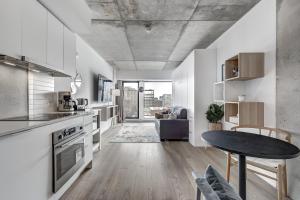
{"x": 265, "y": 167}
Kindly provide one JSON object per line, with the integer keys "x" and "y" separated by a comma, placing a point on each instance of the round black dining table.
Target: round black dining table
{"x": 252, "y": 145}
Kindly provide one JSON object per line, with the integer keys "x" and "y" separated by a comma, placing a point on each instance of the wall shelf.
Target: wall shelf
{"x": 244, "y": 66}
{"x": 245, "y": 113}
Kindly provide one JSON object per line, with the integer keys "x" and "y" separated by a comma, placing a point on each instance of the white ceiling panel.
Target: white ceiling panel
{"x": 156, "y": 44}
{"x": 157, "y": 9}
{"x": 198, "y": 34}
{"x": 109, "y": 39}
{"x": 125, "y": 65}
{"x": 149, "y": 65}
{"x": 158, "y": 34}
{"x": 104, "y": 11}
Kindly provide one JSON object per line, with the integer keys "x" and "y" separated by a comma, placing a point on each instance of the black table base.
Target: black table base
{"x": 242, "y": 176}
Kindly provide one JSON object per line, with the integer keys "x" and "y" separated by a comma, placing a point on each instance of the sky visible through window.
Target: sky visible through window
{"x": 159, "y": 88}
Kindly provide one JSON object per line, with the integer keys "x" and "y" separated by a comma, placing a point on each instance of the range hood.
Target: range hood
{"x": 27, "y": 65}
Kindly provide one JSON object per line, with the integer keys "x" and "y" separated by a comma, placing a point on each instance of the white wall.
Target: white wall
{"x": 288, "y": 81}
{"x": 192, "y": 89}
{"x": 144, "y": 75}
{"x": 89, "y": 64}
{"x": 183, "y": 90}
{"x": 204, "y": 78}
{"x": 255, "y": 32}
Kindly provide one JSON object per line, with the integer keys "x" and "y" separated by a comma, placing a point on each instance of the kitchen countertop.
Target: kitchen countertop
{"x": 13, "y": 127}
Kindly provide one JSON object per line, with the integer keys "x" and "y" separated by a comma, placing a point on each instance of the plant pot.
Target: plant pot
{"x": 215, "y": 126}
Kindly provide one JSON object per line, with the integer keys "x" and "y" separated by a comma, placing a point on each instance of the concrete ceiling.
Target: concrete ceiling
{"x": 175, "y": 27}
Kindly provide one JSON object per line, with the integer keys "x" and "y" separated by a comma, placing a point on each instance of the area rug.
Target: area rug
{"x": 136, "y": 133}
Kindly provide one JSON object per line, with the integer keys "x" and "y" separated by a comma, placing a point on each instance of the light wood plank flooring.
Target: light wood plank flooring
{"x": 156, "y": 171}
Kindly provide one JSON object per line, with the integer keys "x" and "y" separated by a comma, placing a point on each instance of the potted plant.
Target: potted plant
{"x": 214, "y": 114}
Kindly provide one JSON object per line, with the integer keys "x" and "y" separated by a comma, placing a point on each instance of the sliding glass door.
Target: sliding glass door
{"x": 131, "y": 100}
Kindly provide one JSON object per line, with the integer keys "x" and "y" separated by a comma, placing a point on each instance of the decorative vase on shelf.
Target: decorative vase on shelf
{"x": 214, "y": 115}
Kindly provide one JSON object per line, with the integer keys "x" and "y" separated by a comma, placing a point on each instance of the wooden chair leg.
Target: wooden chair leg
{"x": 279, "y": 183}
{"x": 228, "y": 165}
{"x": 284, "y": 177}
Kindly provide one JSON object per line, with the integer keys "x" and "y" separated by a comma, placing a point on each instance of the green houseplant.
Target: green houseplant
{"x": 214, "y": 115}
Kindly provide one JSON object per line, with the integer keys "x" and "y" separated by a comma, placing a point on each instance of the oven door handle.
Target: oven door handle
{"x": 63, "y": 146}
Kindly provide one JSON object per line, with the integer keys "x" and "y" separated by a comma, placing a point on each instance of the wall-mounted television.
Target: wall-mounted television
{"x": 104, "y": 89}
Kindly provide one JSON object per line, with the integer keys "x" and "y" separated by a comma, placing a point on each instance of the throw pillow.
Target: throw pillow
{"x": 220, "y": 185}
{"x": 172, "y": 116}
{"x": 166, "y": 116}
{"x": 206, "y": 189}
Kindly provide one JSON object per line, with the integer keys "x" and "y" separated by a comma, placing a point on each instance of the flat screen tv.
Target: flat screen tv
{"x": 104, "y": 89}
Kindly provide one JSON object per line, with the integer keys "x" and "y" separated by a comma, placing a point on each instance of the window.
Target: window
{"x": 157, "y": 97}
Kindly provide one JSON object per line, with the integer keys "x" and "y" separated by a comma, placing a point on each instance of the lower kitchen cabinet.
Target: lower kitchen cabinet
{"x": 88, "y": 128}
{"x": 88, "y": 147}
{"x": 27, "y": 163}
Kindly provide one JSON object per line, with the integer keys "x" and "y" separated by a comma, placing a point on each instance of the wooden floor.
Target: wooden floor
{"x": 154, "y": 171}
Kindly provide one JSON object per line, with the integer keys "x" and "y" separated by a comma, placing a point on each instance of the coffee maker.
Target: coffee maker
{"x": 65, "y": 102}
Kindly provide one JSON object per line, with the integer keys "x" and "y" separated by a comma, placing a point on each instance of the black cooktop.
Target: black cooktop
{"x": 39, "y": 117}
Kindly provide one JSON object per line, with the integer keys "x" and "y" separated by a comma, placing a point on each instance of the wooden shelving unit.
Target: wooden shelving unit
{"x": 245, "y": 113}
{"x": 244, "y": 66}
{"x": 241, "y": 67}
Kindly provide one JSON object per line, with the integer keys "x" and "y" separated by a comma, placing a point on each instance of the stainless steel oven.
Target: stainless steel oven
{"x": 68, "y": 154}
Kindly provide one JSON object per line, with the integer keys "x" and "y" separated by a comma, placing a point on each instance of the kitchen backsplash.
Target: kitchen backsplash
{"x": 41, "y": 96}
{"x": 13, "y": 92}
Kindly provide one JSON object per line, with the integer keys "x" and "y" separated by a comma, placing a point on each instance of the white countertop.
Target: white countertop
{"x": 13, "y": 127}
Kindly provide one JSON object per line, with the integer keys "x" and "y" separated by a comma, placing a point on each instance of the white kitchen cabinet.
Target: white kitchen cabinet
{"x": 34, "y": 31}
{"x": 88, "y": 128}
{"x": 26, "y": 165}
{"x": 26, "y": 162}
{"x": 88, "y": 148}
{"x": 11, "y": 26}
{"x": 55, "y": 43}
{"x": 69, "y": 52}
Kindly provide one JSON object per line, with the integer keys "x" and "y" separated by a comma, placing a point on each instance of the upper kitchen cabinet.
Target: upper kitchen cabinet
{"x": 34, "y": 31}
{"x": 69, "y": 52}
{"x": 11, "y": 26}
{"x": 55, "y": 43}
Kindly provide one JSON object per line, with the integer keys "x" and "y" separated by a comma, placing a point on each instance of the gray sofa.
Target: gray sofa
{"x": 174, "y": 129}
